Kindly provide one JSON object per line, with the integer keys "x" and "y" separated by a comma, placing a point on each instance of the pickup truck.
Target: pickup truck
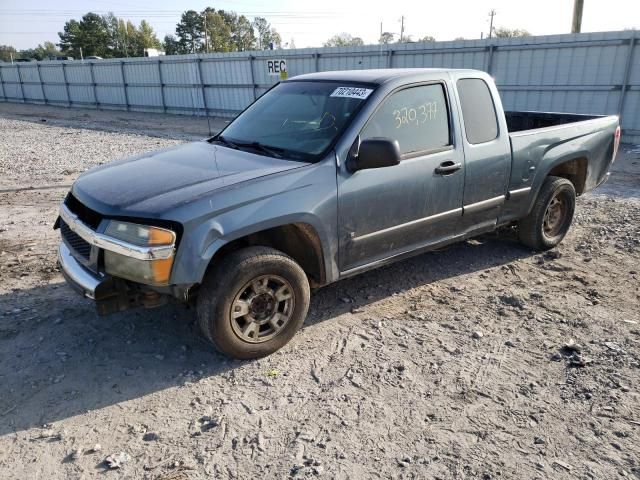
{"x": 324, "y": 176}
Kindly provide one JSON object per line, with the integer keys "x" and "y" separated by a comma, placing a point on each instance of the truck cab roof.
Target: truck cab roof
{"x": 380, "y": 76}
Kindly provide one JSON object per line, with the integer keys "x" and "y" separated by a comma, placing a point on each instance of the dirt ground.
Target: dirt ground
{"x": 482, "y": 360}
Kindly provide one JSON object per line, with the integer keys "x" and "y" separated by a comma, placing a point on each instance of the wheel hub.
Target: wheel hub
{"x": 262, "y": 308}
{"x": 554, "y": 216}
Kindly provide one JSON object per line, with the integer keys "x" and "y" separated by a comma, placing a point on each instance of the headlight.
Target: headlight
{"x": 153, "y": 271}
{"x": 141, "y": 235}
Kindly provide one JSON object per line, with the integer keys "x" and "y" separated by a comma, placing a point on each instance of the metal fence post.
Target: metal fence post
{"x": 66, "y": 84}
{"x": 316, "y": 61}
{"x": 489, "y": 64}
{"x": 390, "y": 58}
{"x": 202, "y": 87}
{"x": 93, "y": 84}
{"x": 253, "y": 77}
{"x": 24, "y": 100}
{"x": 164, "y": 104}
{"x": 4, "y": 92}
{"x": 44, "y": 95}
{"x": 124, "y": 86}
{"x": 627, "y": 74}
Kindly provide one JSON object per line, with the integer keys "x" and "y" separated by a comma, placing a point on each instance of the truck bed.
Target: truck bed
{"x": 519, "y": 121}
{"x": 583, "y": 146}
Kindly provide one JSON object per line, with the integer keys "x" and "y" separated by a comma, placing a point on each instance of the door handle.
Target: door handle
{"x": 448, "y": 167}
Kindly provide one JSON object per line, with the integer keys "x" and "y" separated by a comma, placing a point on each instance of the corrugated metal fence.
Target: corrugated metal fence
{"x": 581, "y": 73}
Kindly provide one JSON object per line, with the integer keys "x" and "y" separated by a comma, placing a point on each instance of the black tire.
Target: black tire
{"x": 547, "y": 224}
{"x": 232, "y": 284}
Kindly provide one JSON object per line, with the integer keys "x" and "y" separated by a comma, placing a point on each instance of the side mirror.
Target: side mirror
{"x": 374, "y": 153}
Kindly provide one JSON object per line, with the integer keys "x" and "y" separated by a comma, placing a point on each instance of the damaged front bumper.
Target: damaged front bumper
{"x": 87, "y": 283}
{"x": 110, "y": 294}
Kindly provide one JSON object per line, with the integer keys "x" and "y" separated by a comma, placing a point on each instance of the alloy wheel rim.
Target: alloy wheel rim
{"x": 262, "y": 308}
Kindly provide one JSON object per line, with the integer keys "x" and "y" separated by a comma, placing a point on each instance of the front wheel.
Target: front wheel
{"x": 551, "y": 215}
{"x": 253, "y": 302}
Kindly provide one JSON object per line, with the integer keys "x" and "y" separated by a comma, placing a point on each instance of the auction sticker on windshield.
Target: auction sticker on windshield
{"x": 352, "y": 92}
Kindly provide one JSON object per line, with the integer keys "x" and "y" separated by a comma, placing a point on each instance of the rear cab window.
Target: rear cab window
{"x": 478, "y": 110}
{"x": 417, "y": 117}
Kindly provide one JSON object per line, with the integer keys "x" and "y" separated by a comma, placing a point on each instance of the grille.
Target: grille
{"x": 75, "y": 241}
{"x": 84, "y": 213}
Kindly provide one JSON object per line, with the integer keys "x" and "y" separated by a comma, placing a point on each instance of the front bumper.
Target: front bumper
{"x": 87, "y": 283}
{"x": 110, "y": 294}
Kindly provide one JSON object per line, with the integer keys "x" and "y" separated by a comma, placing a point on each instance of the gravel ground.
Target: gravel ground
{"x": 33, "y": 155}
{"x": 482, "y": 360}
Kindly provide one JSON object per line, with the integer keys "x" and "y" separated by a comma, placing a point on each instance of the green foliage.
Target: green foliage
{"x": 502, "y": 32}
{"x": 219, "y": 31}
{"x": 7, "y": 52}
{"x": 428, "y": 38}
{"x": 266, "y": 34}
{"x": 106, "y": 36}
{"x": 91, "y": 34}
{"x": 41, "y": 52}
{"x": 343, "y": 40}
{"x": 170, "y": 45}
{"x": 190, "y": 32}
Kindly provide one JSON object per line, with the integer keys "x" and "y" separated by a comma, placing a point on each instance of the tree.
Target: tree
{"x": 117, "y": 35}
{"x": 190, "y": 32}
{"x": 171, "y": 45}
{"x": 343, "y": 40}
{"x": 146, "y": 38}
{"x": 128, "y": 35}
{"x": 91, "y": 34}
{"x": 266, "y": 34}
{"x": 41, "y": 52}
{"x": 218, "y": 32}
{"x": 502, "y": 32}
{"x": 7, "y": 52}
{"x": 386, "y": 38}
{"x": 71, "y": 40}
{"x": 428, "y": 38}
{"x": 242, "y": 34}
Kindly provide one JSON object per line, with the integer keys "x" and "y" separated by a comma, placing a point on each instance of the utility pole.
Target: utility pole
{"x": 492, "y": 14}
{"x": 576, "y": 22}
{"x": 401, "y": 28}
{"x": 206, "y": 43}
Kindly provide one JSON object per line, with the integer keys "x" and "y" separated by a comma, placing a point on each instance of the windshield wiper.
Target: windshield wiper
{"x": 226, "y": 142}
{"x": 269, "y": 150}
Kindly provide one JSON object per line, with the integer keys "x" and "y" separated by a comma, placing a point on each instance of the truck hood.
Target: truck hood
{"x": 152, "y": 183}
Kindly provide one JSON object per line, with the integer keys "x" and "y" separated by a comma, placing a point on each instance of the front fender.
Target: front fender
{"x": 307, "y": 195}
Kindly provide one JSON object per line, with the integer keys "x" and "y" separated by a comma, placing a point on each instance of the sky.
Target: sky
{"x": 27, "y": 23}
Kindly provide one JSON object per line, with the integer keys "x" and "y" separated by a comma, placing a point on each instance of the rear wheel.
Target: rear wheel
{"x": 253, "y": 302}
{"x": 551, "y": 215}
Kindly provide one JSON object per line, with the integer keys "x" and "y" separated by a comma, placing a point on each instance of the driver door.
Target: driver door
{"x": 389, "y": 211}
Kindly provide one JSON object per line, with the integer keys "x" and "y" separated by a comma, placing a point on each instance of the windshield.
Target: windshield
{"x": 298, "y": 120}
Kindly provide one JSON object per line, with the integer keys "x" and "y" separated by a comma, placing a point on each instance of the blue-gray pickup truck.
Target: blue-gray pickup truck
{"x": 323, "y": 177}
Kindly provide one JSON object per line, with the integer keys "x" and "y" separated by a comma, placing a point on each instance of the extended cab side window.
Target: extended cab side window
{"x": 478, "y": 111}
{"x": 417, "y": 117}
